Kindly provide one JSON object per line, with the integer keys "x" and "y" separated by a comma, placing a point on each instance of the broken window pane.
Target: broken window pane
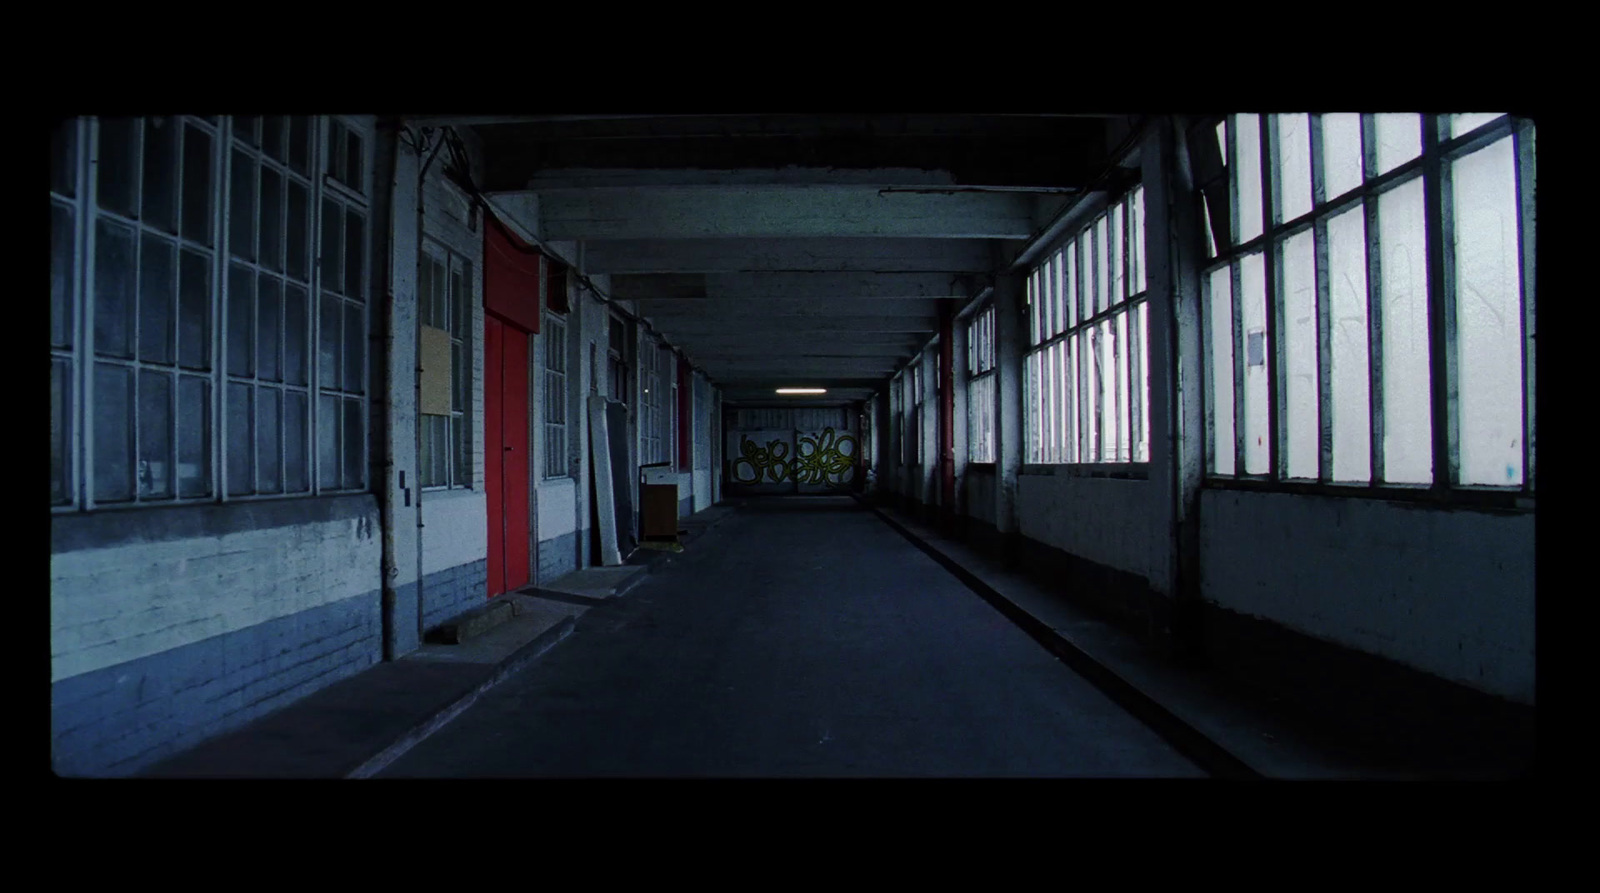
{"x": 1403, "y": 281}
{"x": 1219, "y": 366}
{"x": 1294, "y": 166}
{"x": 1248, "y": 175}
{"x": 1302, "y": 429}
{"x": 1349, "y": 365}
{"x": 1399, "y": 140}
{"x": 113, "y": 433}
{"x": 1488, "y": 315}
{"x": 1253, "y": 316}
{"x": 1341, "y": 154}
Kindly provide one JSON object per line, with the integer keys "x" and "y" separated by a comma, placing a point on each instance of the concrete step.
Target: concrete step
{"x": 473, "y": 623}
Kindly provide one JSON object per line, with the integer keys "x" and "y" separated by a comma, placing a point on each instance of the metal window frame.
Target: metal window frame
{"x": 555, "y": 395}
{"x": 1432, "y": 166}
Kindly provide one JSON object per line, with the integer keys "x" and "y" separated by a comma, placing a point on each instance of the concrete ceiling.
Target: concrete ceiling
{"x": 793, "y": 250}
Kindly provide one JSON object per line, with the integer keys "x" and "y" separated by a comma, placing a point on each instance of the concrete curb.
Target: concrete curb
{"x": 1191, "y": 742}
{"x": 507, "y": 668}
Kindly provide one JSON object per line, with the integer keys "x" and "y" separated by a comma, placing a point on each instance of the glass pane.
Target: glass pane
{"x": 1294, "y": 166}
{"x": 113, "y": 289}
{"x": 1403, "y": 283}
{"x": 197, "y": 185}
{"x": 332, "y": 257}
{"x": 1124, "y": 401}
{"x": 300, "y": 143}
{"x": 273, "y": 129}
{"x": 64, "y": 157}
{"x": 1102, "y": 266}
{"x": 161, "y": 173}
{"x": 241, "y": 320}
{"x": 268, "y": 410}
{"x": 1069, "y": 371}
{"x": 1051, "y": 326}
{"x": 1341, "y": 154}
{"x": 297, "y": 233}
{"x": 355, "y": 253}
{"x": 194, "y": 310}
{"x": 1094, "y": 395}
{"x": 113, "y": 433}
{"x": 1219, "y": 368}
{"x": 63, "y": 254}
{"x": 269, "y": 310}
{"x": 355, "y": 353}
{"x": 296, "y": 457}
{"x": 158, "y": 299}
{"x": 118, "y": 166}
{"x": 1085, "y": 276}
{"x": 1136, "y": 241}
{"x": 1118, "y": 283}
{"x": 1144, "y": 384}
{"x": 1253, "y": 316}
{"x": 353, "y": 161}
{"x": 248, "y": 129}
{"x": 427, "y": 463}
{"x": 1488, "y": 315}
{"x": 1347, "y": 285}
{"x": 328, "y": 441}
{"x": 271, "y": 219}
{"x": 155, "y": 435}
{"x": 1248, "y": 180}
{"x": 242, "y": 207}
{"x": 355, "y": 455}
{"x": 328, "y": 336}
{"x": 333, "y": 150}
{"x": 296, "y": 335}
{"x": 194, "y": 436}
{"x": 1460, "y": 125}
{"x": 1399, "y": 140}
{"x": 241, "y": 438}
{"x": 1302, "y": 429}
{"x": 1033, "y": 309}
{"x": 60, "y": 430}
{"x": 1069, "y": 285}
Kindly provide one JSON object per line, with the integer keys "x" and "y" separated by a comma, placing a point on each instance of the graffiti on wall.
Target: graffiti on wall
{"x": 825, "y": 459}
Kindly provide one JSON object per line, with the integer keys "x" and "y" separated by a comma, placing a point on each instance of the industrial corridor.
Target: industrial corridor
{"x": 804, "y": 637}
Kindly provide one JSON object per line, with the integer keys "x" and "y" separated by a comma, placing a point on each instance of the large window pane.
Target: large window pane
{"x": 1461, "y": 125}
{"x": 114, "y": 289}
{"x": 1124, "y": 401}
{"x": 60, "y": 430}
{"x": 332, "y": 246}
{"x": 296, "y": 335}
{"x": 296, "y": 456}
{"x": 269, "y": 307}
{"x": 1248, "y": 182}
{"x": 242, "y": 207}
{"x": 1070, "y": 284}
{"x": 271, "y": 219}
{"x": 1136, "y": 239}
{"x": 194, "y": 436}
{"x": 1403, "y": 280}
{"x": 113, "y": 433}
{"x": 355, "y": 465}
{"x": 241, "y": 438}
{"x": 241, "y": 320}
{"x": 118, "y": 166}
{"x": 354, "y": 253}
{"x": 1219, "y": 366}
{"x": 158, "y": 299}
{"x": 1257, "y": 366}
{"x": 268, "y": 415}
{"x": 197, "y": 191}
{"x": 155, "y": 435}
{"x": 328, "y": 341}
{"x": 327, "y": 424}
{"x": 160, "y": 200}
{"x": 63, "y": 258}
{"x": 300, "y": 143}
{"x": 1143, "y": 356}
{"x": 1293, "y": 195}
{"x": 297, "y": 232}
{"x": 1302, "y": 426}
{"x": 355, "y": 353}
{"x": 1347, "y": 286}
{"x": 194, "y": 310}
{"x": 1119, "y": 283}
{"x": 1341, "y": 154}
{"x": 1488, "y": 315}
{"x": 273, "y": 130}
{"x": 1399, "y": 140}
{"x": 1102, "y": 267}
{"x": 64, "y": 157}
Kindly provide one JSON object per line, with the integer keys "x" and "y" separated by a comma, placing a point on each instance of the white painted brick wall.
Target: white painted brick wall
{"x": 455, "y": 529}
{"x": 112, "y": 605}
{"x": 1115, "y": 522}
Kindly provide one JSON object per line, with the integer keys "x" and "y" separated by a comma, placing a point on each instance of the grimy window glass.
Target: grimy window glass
{"x": 1390, "y": 343}
{"x": 444, "y": 302}
{"x": 555, "y": 396}
{"x": 1085, "y": 370}
{"x": 200, "y": 348}
{"x": 981, "y": 386}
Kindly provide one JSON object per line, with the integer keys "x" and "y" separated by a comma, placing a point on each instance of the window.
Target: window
{"x": 651, "y": 445}
{"x": 1369, "y": 309}
{"x": 617, "y": 361}
{"x": 445, "y": 315}
{"x": 981, "y": 386}
{"x": 1086, "y": 376}
{"x": 555, "y": 397}
{"x": 916, "y": 409}
{"x": 208, "y": 310}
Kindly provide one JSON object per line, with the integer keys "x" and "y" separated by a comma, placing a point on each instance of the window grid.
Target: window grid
{"x": 650, "y": 421}
{"x": 171, "y": 369}
{"x": 445, "y": 303}
{"x": 555, "y": 397}
{"x": 981, "y": 386}
{"x": 1085, "y": 372}
{"x": 1390, "y": 355}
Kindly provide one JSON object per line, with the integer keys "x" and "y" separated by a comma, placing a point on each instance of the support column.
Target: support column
{"x": 1009, "y": 337}
{"x": 394, "y": 428}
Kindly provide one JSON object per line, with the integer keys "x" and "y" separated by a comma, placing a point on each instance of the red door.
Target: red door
{"x": 505, "y": 453}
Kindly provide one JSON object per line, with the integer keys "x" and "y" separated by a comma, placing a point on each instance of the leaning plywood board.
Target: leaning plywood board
{"x": 435, "y": 363}
{"x": 600, "y": 461}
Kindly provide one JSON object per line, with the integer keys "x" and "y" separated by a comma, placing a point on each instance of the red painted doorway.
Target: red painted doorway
{"x": 505, "y": 452}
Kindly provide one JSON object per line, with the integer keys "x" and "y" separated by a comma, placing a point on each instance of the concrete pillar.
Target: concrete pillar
{"x": 1010, "y": 335}
{"x": 394, "y": 432}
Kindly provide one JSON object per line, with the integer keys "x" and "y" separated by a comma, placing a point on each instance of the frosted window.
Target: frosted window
{"x": 1347, "y": 284}
{"x": 113, "y": 433}
{"x": 1119, "y": 283}
{"x": 1033, "y": 308}
{"x": 1102, "y": 266}
{"x": 1074, "y": 451}
{"x": 1461, "y": 125}
{"x": 1341, "y": 154}
{"x": 1124, "y": 404}
{"x": 1058, "y": 300}
{"x": 269, "y": 412}
{"x": 1106, "y": 373}
{"x": 155, "y": 435}
{"x": 1403, "y": 286}
{"x": 1136, "y": 239}
{"x": 1085, "y": 275}
{"x": 1488, "y": 316}
{"x": 1399, "y": 140}
{"x": 1301, "y": 387}
{"x": 1294, "y": 166}
{"x": 194, "y": 436}
{"x": 114, "y": 289}
{"x": 1071, "y": 285}
{"x": 1253, "y": 315}
{"x": 241, "y": 438}
{"x": 1219, "y": 323}
{"x": 1143, "y": 357}
{"x": 1248, "y": 179}
{"x": 1091, "y": 394}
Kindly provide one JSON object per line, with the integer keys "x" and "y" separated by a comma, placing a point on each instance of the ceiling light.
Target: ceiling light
{"x": 802, "y": 390}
